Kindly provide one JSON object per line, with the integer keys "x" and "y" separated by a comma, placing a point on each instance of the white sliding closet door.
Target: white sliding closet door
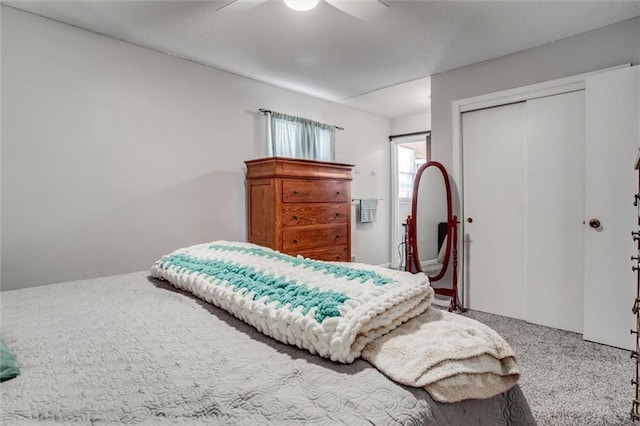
{"x": 612, "y": 117}
{"x": 554, "y": 211}
{"x": 523, "y": 177}
{"x": 493, "y": 143}
{"x": 534, "y": 174}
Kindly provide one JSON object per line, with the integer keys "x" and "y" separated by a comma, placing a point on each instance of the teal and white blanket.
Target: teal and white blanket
{"x": 331, "y": 309}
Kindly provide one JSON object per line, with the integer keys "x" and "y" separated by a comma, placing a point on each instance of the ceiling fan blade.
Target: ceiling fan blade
{"x": 367, "y": 10}
{"x": 236, "y": 6}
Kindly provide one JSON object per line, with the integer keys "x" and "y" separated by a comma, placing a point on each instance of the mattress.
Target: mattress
{"x": 130, "y": 349}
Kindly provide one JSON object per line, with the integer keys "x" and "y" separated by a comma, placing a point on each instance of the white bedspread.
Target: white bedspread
{"x": 132, "y": 350}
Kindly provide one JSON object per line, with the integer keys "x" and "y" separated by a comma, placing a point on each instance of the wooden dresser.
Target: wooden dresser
{"x": 300, "y": 206}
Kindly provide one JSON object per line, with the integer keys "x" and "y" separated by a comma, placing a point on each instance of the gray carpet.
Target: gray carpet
{"x": 568, "y": 381}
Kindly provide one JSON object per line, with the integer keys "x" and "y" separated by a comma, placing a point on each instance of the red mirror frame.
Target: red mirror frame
{"x": 411, "y": 249}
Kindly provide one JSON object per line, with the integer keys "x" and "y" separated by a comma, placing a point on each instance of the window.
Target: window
{"x": 297, "y": 137}
{"x": 406, "y": 171}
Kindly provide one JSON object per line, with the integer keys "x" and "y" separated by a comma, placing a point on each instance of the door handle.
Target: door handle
{"x": 594, "y": 223}
{"x": 470, "y": 219}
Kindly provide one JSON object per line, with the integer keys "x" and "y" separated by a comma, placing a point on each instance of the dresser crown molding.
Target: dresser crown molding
{"x": 282, "y": 167}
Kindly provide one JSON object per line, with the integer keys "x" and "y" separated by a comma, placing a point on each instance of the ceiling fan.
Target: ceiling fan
{"x": 366, "y": 10}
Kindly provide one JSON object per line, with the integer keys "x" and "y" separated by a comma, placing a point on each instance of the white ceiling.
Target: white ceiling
{"x": 330, "y": 55}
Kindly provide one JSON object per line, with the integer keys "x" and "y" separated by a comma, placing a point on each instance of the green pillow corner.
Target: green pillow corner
{"x": 8, "y": 367}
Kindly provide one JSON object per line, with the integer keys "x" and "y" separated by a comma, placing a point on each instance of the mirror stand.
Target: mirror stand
{"x": 431, "y": 233}
{"x": 411, "y": 265}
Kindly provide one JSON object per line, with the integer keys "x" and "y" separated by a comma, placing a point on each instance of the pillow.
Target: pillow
{"x": 8, "y": 367}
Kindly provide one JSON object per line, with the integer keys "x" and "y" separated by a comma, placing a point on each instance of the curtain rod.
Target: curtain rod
{"x": 266, "y": 111}
{"x": 424, "y": 132}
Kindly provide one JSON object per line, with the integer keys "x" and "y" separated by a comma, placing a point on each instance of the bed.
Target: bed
{"x": 134, "y": 349}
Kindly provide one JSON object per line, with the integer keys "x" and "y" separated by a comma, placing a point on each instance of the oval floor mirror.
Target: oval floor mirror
{"x": 431, "y": 241}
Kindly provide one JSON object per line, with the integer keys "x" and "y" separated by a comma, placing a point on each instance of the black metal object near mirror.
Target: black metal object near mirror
{"x": 431, "y": 242}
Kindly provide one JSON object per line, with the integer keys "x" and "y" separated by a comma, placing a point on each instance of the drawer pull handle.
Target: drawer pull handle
{"x": 295, "y": 217}
{"x": 295, "y": 193}
{"x": 635, "y": 235}
{"x": 337, "y": 192}
{"x": 337, "y": 237}
{"x": 337, "y": 214}
{"x": 295, "y": 241}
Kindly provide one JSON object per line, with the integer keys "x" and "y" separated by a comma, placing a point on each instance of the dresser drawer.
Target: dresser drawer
{"x": 314, "y": 191}
{"x": 335, "y": 253}
{"x": 313, "y": 214}
{"x": 310, "y": 237}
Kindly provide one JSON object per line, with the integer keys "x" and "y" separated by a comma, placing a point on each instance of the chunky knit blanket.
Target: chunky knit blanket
{"x": 331, "y": 309}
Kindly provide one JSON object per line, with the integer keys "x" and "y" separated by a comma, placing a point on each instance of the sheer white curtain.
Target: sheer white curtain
{"x": 297, "y": 137}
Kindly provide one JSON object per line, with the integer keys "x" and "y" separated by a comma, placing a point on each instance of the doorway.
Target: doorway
{"x": 408, "y": 153}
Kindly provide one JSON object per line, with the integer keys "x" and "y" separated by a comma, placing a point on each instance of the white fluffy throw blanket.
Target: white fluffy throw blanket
{"x": 453, "y": 357}
{"x": 329, "y": 308}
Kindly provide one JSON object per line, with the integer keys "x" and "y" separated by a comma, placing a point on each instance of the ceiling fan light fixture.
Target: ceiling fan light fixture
{"x": 301, "y": 5}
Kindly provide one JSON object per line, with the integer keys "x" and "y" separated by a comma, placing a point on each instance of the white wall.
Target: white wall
{"x": 113, "y": 155}
{"x": 605, "y": 47}
{"x": 411, "y": 123}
